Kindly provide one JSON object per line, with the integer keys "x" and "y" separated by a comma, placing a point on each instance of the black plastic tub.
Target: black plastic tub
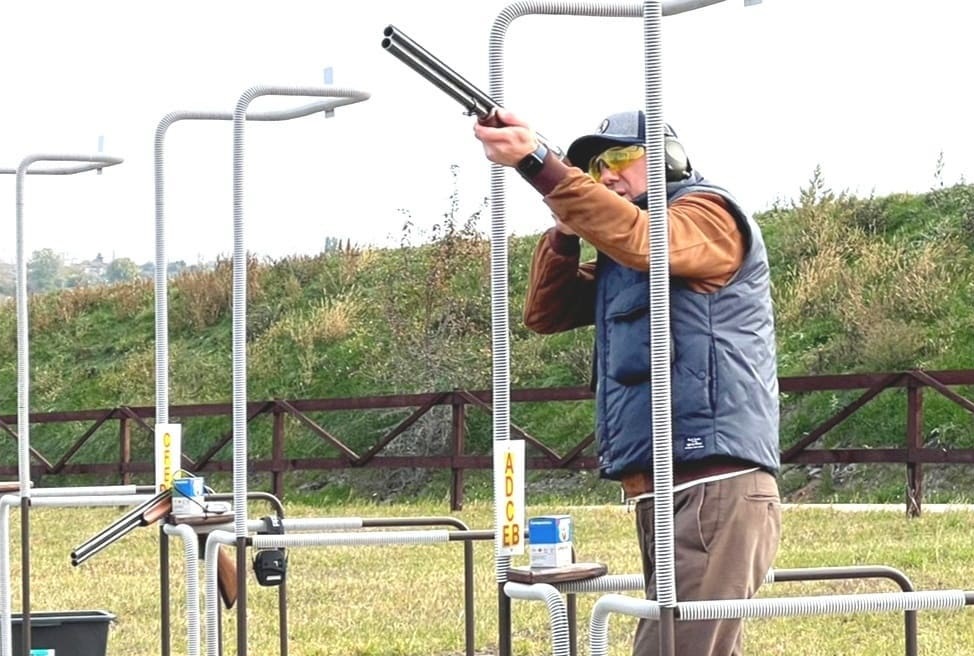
{"x": 68, "y": 633}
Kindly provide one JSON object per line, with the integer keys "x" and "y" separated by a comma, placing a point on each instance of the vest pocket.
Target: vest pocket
{"x": 692, "y": 384}
{"x": 627, "y": 336}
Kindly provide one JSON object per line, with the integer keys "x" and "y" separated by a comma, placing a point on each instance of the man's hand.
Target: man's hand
{"x": 510, "y": 142}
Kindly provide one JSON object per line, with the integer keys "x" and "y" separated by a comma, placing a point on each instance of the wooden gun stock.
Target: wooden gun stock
{"x": 156, "y": 512}
{"x": 226, "y": 574}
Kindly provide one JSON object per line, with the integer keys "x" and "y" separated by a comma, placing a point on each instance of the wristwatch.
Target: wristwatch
{"x": 531, "y": 164}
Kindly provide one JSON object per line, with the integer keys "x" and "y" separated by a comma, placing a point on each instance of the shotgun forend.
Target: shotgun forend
{"x": 474, "y": 101}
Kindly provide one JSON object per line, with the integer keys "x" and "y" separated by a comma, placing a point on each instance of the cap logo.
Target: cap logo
{"x": 604, "y": 126}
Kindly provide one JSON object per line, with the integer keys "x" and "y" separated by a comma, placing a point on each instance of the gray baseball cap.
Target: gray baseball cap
{"x": 622, "y": 129}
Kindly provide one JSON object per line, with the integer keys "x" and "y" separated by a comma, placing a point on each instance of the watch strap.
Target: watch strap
{"x": 532, "y": 163}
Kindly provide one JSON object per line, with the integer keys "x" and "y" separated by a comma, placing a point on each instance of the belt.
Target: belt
{"x": 636, "y": 483}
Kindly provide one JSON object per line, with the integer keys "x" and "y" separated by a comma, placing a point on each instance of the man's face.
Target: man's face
{"x": 623, "y": 170}
{"x": 630, "y": 182}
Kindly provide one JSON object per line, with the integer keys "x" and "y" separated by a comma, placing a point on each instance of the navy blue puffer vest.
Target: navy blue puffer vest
{"x": 724, "y": 383}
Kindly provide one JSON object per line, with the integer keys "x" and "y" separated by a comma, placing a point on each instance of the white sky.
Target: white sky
{"x": 872, "y": 90}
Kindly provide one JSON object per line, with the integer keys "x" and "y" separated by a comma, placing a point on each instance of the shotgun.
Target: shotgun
{"x": 152, "y": 509}
{"x": 474, "y": 101}
{"x": 148, "y": 513}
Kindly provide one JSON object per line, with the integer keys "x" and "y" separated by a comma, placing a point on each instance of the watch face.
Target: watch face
{"x": 530, "y": 165}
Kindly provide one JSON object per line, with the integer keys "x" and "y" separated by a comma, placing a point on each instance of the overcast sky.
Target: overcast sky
{"x": 871, "y": 90}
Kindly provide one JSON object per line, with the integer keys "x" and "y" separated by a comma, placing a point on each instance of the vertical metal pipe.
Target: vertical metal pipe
{"x": 503, "y": 621}
{"x": 23, "y": 367}
{"x": 161, "y": 262}
{"x": 651, "y": 13}
{"x": 23, "y": 352}
{"x": 571, "y": 607}
{"x": 239, "y": 329}
{"x": 659, "y": 307}
{"x": 282, "y": 615}
{"x": 164, "y": 617}
{"x": 6, "y": 628}
{"x": 219, "y": 629}
{"x": 911, "y": 632}
{"x": 667, "y": 630}
{"x": 468, "y": 601}
{"x": 25, "y": 572}
{"x": 241, "y": 595}
{"x": 161, "y": 277}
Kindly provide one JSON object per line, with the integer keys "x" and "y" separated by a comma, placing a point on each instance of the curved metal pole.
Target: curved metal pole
{"x": 50, "y": 497}
{"x": 239, "y": 323}
{"x": 624, "y": 582}
{"x": 910, "y": 630}
{"x": 60, "y": 170}
{"x": 162, "y": 263}
{"x": 23, "y": 401}
{"x": 650, "y": 11}
{"x": 23, "y": 425}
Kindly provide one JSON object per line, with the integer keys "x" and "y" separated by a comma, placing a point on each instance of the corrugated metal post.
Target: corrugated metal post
{"x": 914, "y": 441}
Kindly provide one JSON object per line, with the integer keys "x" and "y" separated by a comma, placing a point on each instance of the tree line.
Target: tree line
{"x": 48, "y": 270}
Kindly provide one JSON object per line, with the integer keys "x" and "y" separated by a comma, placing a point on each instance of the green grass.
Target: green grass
{"x": 408, "y": 600}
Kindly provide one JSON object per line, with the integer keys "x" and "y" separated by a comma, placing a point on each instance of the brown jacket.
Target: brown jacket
{"x": 706, "y": 247}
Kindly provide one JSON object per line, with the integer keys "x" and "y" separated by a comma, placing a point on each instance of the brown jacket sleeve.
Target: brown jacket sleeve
{"x": 561, "y": 292}
{"x": 706, "y": 248}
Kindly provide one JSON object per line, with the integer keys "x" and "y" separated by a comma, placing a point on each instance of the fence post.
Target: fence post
{"x": 277, "y": 454}
{"x": 914, "y": 441}
{"x": 459, "y": 432}
{"x": 124, "y": 449}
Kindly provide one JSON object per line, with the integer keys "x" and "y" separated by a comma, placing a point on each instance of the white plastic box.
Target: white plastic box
{"x": 550, "y": 540}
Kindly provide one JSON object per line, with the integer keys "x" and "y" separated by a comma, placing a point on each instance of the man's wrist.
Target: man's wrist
{"x": 552, "y": 171}
{"x": 531, "y": 164}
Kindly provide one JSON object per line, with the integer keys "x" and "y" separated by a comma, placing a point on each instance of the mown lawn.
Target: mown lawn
{"x": 408, "y": 600}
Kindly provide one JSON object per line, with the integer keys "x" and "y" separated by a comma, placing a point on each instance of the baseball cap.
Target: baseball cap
{"x": 622, "y": 129}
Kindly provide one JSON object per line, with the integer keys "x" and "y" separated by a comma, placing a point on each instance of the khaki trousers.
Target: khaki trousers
{"x": 725, "y": 539}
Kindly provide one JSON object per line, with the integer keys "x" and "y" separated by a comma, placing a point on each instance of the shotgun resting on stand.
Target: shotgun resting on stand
{"x": 474, "y": 101}
{"x": 156, "y": 509}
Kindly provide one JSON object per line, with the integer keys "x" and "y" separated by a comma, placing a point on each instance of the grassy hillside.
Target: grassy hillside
{"x": 868, "y": 285}
{"x": 860, "y": 285}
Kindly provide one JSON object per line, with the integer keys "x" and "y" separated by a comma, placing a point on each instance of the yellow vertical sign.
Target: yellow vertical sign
{"x": 169, "y": 453}
{"x": 509, "y": 496}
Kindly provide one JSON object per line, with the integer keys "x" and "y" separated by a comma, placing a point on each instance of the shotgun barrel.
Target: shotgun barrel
{"x": 474, "y": 101}
{"x": 142, "y": 515}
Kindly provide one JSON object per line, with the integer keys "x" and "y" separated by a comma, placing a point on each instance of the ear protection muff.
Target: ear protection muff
{"x": 677, "y": 164}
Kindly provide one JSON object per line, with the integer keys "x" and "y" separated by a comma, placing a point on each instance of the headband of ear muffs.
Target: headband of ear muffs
{"x": 628, "y": 128}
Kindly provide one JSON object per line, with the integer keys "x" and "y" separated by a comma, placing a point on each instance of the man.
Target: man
{"x": 723, "y": 363}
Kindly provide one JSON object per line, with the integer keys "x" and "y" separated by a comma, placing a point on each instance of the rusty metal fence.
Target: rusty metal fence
{"x": 133, "y": 428}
